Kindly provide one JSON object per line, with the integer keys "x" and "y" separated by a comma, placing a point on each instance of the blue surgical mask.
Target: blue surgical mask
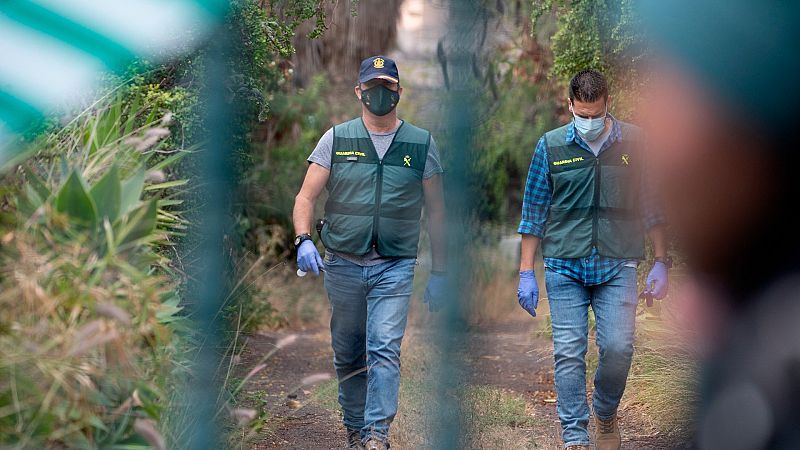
{"x": 590, "y": 129}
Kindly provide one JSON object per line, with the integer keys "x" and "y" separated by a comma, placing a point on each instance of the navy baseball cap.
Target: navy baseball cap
{"x": 378, "y": 67}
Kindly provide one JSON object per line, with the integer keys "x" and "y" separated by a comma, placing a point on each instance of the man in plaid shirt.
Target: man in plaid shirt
{"x": 589, "y": 203}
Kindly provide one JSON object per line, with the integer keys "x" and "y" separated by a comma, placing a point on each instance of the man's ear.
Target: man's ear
{"x": 400, "y": 90}
{"x": 358, "y": 92}
{"x": 569, "y": 105}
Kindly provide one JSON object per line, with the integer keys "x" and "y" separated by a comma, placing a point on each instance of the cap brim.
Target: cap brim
{"x": 381, "y": 77}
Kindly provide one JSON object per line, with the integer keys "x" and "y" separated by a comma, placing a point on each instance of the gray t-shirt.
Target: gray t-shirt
{"x": 322, "y": 156}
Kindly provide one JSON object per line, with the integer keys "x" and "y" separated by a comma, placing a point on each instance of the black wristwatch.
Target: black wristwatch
{"x": 666, "y": 260}
{"x": 300, "y": 239}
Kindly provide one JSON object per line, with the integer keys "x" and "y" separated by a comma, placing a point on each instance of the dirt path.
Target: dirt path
{"x": 508, "y": 356}
{"x": 294, "y": 421}
{"x": 512, "y": 357}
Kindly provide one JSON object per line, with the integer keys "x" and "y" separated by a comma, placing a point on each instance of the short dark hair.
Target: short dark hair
{"x": 588, "y": 86}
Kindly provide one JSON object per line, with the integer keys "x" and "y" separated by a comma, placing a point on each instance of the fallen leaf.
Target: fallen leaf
{"x": 294, "y": 404}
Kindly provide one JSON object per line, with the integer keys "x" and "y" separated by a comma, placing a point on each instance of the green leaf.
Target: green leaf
{"x": 74, "y": 200}
{"x": 166, "y": 185}
{"x": 168, "y": 202}
{"x": 108, "y": 124}
{"x": 141, "y": 223}
{"x": 37, "y": 184}
{"x": 167, "y": 311}
{"x": 107, "y": 195}
{"x": 170, "y": 161}
{"x": 97, "y": 423}
{"x": 132, "y": 191}
{"x": 29, "y": 201}
{"x": 133, "y": 109}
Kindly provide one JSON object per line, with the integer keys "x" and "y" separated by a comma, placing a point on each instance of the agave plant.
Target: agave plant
{"x": 88, "y": 304}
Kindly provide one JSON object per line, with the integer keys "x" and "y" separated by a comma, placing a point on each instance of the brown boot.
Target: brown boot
{"x": 606, "y": 434}
{"x": 374, "y": 444}
{"x": 577, "y": 447}
{"x": 354, "y": 440}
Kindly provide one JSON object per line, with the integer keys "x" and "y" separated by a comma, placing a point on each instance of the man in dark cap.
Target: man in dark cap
{"x": 379, "y": 172}
{"x": 722, "y": 119}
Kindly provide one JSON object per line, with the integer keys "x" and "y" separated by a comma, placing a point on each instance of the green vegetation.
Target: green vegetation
{"x": 90, "y": 311}
{"x": 520, "y": 114}
{"x": 491, "y": 407}
{"x": 95, "y": 344}
{"x": 595, "y": 34}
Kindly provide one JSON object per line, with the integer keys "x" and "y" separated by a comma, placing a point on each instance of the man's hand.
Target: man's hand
{"x": 436, "y": 291}
{"x": 658, "y": 280}
{"x": 528, "y": 292}
{"x": 308, "y": 258}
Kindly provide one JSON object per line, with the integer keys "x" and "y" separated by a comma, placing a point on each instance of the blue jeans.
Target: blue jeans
{"x": 369, "y": 308}
{"x": 614, "y": 306}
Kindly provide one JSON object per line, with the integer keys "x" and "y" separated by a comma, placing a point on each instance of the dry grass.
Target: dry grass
{"x": 494, "y": 284}
{"x": 75, "y": 354}
{"x": 495, "y": 279}
{"x": 663, "y": 384}
{"x": 89, "y": 315}
{"x": 296, "y": 302}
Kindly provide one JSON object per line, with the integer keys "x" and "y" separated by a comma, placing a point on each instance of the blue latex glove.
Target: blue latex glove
{"x": 436, "y": 291}
{"x": 308, "y": 258}
{"x": 658, "y": 281}
{"x": 528, "y": 292}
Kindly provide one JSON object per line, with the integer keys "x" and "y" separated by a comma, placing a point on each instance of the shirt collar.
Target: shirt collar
{"x": 616, "y": 133}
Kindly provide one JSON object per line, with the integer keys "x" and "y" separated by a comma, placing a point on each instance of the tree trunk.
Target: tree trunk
{"x": 348, "y": 40}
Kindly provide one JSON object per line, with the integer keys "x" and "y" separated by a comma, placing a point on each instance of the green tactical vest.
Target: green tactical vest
{"x": 374, "y": 203}
{"x": 595, "y": 198}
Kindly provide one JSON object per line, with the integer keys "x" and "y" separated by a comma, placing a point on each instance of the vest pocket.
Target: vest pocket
{"x": 618, "y": 188}
{"x": 348, "y": 234}
{"x": 398, "y": 237}
{"x": 569, "y": 237}
{"x": 619, "y": 237}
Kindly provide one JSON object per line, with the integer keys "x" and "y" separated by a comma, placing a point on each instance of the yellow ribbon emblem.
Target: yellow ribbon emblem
{"x": 378, "y": 63}
{"x": 626, "y": 159}
{"x": 407, "y": 161}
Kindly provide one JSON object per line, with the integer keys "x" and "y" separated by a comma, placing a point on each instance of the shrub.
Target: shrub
{"x": 88, "y": 308}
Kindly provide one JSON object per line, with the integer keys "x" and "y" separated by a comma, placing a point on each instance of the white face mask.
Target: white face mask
{"x": 590, "y": 129}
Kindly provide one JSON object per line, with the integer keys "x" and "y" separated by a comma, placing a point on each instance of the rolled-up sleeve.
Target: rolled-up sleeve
{"x": 538, "y": 194}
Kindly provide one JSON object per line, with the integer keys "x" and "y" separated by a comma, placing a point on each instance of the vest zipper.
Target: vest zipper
{"x": 379, "y": 188}
{"x": 378, "y": 194}
{"x": 596, "y": 206}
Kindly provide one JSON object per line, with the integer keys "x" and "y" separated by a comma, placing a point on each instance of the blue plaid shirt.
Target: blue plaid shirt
{"x": 594, "y": 269}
